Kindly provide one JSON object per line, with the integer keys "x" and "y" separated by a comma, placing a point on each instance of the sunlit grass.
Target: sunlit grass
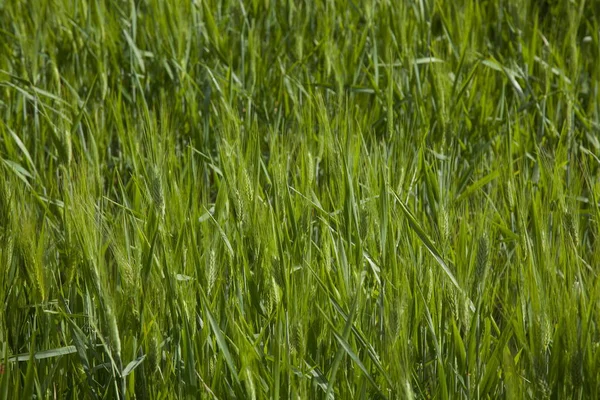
{"x": 259, "y": 199}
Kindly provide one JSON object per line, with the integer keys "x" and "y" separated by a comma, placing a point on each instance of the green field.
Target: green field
{"x": 262, "y": 199}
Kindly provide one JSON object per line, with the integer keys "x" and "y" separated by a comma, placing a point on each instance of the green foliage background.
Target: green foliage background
{"x": 299, "y": 199}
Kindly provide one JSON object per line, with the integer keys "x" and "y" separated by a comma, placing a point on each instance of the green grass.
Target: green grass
{"x": 260, "y": 199}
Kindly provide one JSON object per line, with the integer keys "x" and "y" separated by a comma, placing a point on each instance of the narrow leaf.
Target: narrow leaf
{"x": 132, "y": 365}
{"x": 40, "y": 355}
{"x": 426, "y": 240}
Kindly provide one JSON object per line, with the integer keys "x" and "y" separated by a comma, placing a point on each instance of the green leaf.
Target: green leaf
{"x": 5, "y": 373}
{"x": 222, "y": 343}
{"x": 356, "y": 359}
{"x": 40, "y": 355}
{"x": 477, "y": 185}
{"x": 23, "y": 150}
{"x": 459, "y": 347}
{"x": 132, "y": 365}
{"x": 412, "y": 221}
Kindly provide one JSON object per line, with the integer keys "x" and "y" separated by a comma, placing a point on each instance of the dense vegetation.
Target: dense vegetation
{"x": 261, "y": 199}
